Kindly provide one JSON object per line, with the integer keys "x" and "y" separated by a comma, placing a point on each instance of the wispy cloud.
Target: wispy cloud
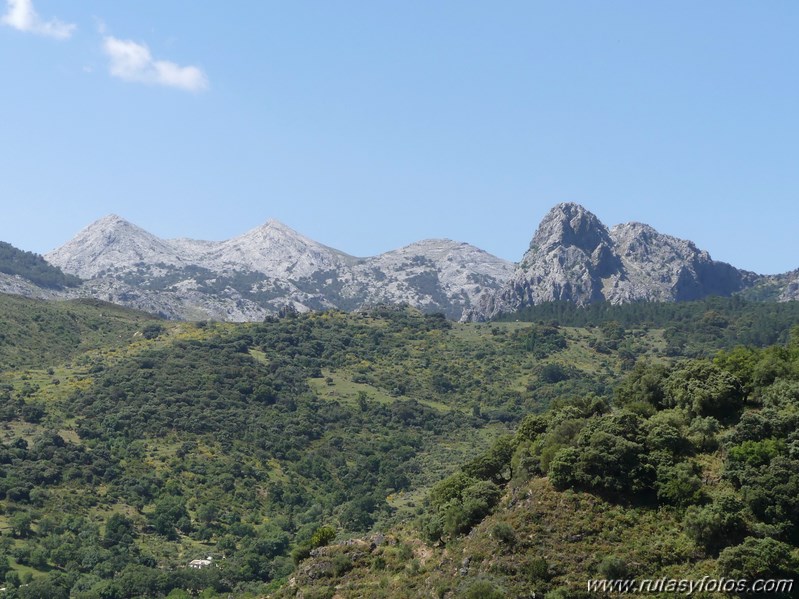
{"x": 21, "y": 15}
{"x": 132, "y": 61}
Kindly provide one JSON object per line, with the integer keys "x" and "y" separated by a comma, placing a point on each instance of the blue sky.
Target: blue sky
{"x": 369, "y": 125}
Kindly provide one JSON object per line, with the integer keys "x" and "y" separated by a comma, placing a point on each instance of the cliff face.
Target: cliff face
{"x": 574, "y": 257}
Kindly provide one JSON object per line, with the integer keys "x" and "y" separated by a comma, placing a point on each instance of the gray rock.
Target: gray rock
{"x": 574, "y": 257}
{"x": 268, "y": 268}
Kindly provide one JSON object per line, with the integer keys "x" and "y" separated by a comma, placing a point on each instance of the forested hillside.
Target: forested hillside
{"x": 132, "y": 446}
{"x": 33, "y": 267}
{"x": 688, "y": 471}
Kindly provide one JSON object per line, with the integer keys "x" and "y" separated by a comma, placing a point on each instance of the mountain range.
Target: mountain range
{"x": 268, "y": 269}
{"x": 573, "y": 256}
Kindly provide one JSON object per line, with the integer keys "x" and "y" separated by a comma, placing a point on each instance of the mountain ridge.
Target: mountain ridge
{"x": 268, "y": 268}
{"x": 572, "y": 256}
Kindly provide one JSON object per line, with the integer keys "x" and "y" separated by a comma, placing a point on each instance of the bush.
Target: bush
{"x": 613, "y": 568}
{"x": 504, "y": 533}
{"x": 717, "y": 525}
{"x": 482, "y": 589}
{"x": 538, "y": 570}
{"x": 322, "y": 536}
{"x": 342, "y": 564}
{"x": 758, "y": 559}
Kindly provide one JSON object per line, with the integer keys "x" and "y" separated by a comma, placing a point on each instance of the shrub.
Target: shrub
{"x": 538, "y": 570}
{"x": 613, "y": 568}
{"x": 482, "y": 589}
{"x": 758, "y": 559}
{"x": 504, "y": 533}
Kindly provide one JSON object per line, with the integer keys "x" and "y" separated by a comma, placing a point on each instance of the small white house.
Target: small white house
{"x": 201, "y": 563}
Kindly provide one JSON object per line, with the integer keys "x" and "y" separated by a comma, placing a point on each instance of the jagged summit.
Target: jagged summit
{"x": 574, "y": 257}
{"x": 569, "y": 224}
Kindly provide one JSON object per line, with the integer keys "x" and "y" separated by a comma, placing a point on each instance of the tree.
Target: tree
{"x": 679, "y": 485}
{"x": 170, "y": 513}
{"x": 704, "y": 389}
{"x": 21, "y": 524}
{"x": 643, "y": 384}
{"x": 758, "y": 559}
{"x": 119, "y": 531}
{"x": 608, "y": 457}
{"x": 493, "y": 464}
{"x": 717, "y": 525}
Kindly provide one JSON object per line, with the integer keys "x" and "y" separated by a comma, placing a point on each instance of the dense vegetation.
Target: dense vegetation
{"x": 697, "y": 328}
{"x": 131, "y": 446}
{"x": 41, "y": 334}
{"x": 689, "y": 470}
{"x": 33, "y": 267}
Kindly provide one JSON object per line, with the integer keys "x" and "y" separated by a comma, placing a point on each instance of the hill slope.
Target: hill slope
{"x": 690, "y": 476}
{"x": 32, "y": 267}
{"x": 137, "y": 446}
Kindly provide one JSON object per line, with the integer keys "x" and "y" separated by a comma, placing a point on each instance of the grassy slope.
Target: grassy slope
{"x": 38, "y": 333}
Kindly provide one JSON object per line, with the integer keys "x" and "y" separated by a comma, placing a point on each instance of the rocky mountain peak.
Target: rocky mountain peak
{"x": 267, "y": 268}
{"x": 109, "y": 243}
{"x": 276, "y": 249}
{"x": 110, "y": 226}
{"x": 273, "y": 233}
{"x": 574, "y": 257}
{"x": 570, "y": 224}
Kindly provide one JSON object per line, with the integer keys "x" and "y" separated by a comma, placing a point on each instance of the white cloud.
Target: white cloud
{"x": 133, "y": 62}
{"x": 21, "y": 15}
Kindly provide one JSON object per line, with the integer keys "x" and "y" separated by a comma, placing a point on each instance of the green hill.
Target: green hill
{"x": 33, "y": 267}
{"x": 38, "y": 333}
{"x": 690, "y": 472}
{"x": 132, "y": 446}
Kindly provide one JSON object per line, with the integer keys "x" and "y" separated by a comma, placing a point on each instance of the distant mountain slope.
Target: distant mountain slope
{"x": 267, "y": 269}
{"x": 575, "y": 257}
{"x": 572, "y": 257}
{"x": 34, "y": 268}
{"x": 111, "y": 244}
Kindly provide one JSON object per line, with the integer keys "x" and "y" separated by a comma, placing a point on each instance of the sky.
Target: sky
{"x": 369, "y": 125}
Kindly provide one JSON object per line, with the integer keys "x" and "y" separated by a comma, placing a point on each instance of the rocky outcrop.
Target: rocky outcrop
{"x": 574, "y": 257}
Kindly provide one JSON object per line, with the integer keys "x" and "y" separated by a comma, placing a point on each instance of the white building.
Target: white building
{"x": 201, "y": 563}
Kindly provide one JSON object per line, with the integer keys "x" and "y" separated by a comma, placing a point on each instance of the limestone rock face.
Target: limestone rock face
{"x": 268, "y": 268}
{"x": 109, "y": 244}
{"x": 574, "y": 257}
